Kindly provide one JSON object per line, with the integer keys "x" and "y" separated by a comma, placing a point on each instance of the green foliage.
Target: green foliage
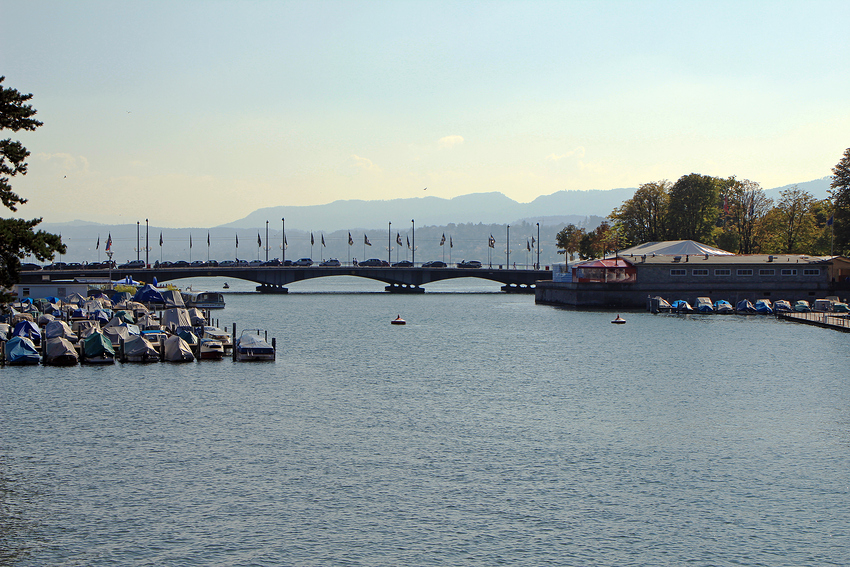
{"x": 18, "y": 237}
{"x": 747, "y": 207}
{"x": 840, "y": 193}
{"x": 643, "y": 218}
{"x": 569, "y": 239}
{"x": 693, "y": 208}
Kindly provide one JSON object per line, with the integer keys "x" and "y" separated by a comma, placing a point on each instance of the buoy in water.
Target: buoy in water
{"x": 398, "y": 321}
{"x": 619, "y": 320}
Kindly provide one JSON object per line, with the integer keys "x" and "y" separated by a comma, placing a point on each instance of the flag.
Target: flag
{"x": 237, "y": 241}
{"x": 190, "y": 242}
{"x": 285, "y": 244}
{"x": 443, "y": 239}
{"x": 408, "y": 242}
{"x": 532, "y": 242}
{"x": 366, "y": 240}
{"x": 350, "y": 240}
{"x": 831, "y": 218}
{"x": 259, "y": 240}
{"x": 451, "y": 244}
{"x": 208, "y": 238}
{"x": 109, "y": 242}
{"x": 98, "y": 243}
{"x": 398, "y": 239}
{"x": 527, "y": 245}
{"x": 323, "y": 241}
{"x": 492, "y": 242}
{"x": 312, "y": 242}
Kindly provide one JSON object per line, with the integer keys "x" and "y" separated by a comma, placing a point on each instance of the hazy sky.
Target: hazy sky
{"x": 197, "y": 113}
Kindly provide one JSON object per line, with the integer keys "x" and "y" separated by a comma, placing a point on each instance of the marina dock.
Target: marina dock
{"x": 826, "y": 320}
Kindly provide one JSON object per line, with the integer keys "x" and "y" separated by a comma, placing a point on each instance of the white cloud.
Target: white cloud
{"x": 577, "y": 152}
{"x": 365, "y": 164}
{"x": 450, "y": 141}
{"x": 63, "y": 162}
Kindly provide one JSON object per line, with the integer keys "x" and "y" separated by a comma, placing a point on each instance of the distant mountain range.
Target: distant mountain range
{"x": 469, "y": 218}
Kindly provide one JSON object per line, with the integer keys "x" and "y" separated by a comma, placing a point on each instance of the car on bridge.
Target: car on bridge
{"x": 373, "y": 262}
{"x": 303, "y": 262}
{"x": 403, "y": 264}
{"x": 469, "y": 264}
{"x": 330, "y": 263}
{"x": 434, "y": 264}
{"x": 132, "y": 264}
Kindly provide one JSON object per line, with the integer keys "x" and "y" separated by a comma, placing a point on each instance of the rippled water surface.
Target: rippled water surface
{"x": 488, "y": 430}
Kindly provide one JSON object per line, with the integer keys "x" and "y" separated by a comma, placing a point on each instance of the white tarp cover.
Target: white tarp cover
{"x": 172, "y": 298}
{"x": 674, "y": 248}
{"x": 197, "y": 317}
{"x": 177, "y": 350}
{"x": 176, "y": 317}
{"x": 59, "y": 329}
{"x": 60, "y": 348}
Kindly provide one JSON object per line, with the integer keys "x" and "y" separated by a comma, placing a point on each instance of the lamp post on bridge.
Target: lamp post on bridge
{"x": 508, "y": 250}
{"x": 147, "y": 244}
{"x": 283, "y": 240}
{"x": 138, "y": 243}
{"x": 413, "y": 255}
{"x": 267, "y": 241}
{"x": 389, "y": 243}
{"x": 538, "y": 246}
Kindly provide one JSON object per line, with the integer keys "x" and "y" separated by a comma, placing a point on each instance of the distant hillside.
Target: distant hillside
{"x": 484, "y": 208}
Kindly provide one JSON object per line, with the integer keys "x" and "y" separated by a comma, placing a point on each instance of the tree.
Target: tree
{"x": 643, "y": 218}
{"x": 747, "y": 206}
{"x": 17, "y": 236}
{"x": 840, "y": 193}
{"x": 569, "y": 239}
{"x": 792, "y": 222}
{"x": 693, "y": 208}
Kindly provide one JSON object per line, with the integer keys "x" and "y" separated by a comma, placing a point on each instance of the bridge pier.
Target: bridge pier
{"x": 404, "y": 288}
{"x": 267, "y": 288}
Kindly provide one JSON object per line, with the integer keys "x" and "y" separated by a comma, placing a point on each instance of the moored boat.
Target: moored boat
{"x": 250, "y": 346}
{"x": 58, "y": 351}
{"x": 211, "y": 349}
{"x": 21, "y": 351}
{"x": 764, "y": 307}
{"x": 178, "y": 350}
{"x": 97, "y": 349}
{"x": 681, "y": 306}
{"x": 745, "y": 306}
{"x": 781, "y": 305}
{"x": 723, "y": 307}
{"x": 139, "y": 349}
{"x": 217, "y": 334}
{"x": 703, "y": 305}
{"x": 802, "y": 306}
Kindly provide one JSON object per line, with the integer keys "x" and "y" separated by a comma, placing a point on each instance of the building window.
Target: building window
{"x": 699, "y": 272}
{"x": 812, "y": 272}
{"x": 745, "y": 272}
{"x": 767, "y": 272}
{"x": 677, "y": 272}
{"x": 722, "y": 272}
{"x": 25, "y": 292}
{"x": 789, "y": 272}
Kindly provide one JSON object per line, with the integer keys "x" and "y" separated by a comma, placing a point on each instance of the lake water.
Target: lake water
{"x": 488, "y": 430}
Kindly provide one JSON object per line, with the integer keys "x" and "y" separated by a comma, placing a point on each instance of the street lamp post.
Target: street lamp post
{"x": 138, "y": 242}
{"x": 267, "y": 241}
{"x": 538, "y": 246}
{"x": 508, "y": 251}
{"x": 147, "y": 244}
{"x": 389, "y": 243}
{"x": 283, "y": 240}
{"x": 413, "y": 255}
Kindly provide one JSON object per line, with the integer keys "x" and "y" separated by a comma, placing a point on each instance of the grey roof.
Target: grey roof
{"x": 674, "y": 248}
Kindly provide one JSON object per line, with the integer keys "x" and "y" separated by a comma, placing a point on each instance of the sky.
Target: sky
{"x": 196, "y": 113}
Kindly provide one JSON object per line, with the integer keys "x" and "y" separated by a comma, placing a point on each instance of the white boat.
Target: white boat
{"x": 250, "y": 346}
{"x": 211, "y": 349}
{"x": 217, "y": 334}
{"x": 204, "y": 299}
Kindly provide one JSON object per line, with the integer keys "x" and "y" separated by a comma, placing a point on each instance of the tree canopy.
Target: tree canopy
{"x": 18, "y": 237}
{"x": 840, "y": 193}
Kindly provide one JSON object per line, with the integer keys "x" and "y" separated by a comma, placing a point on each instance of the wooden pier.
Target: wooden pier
{"x": 839, "y": 322}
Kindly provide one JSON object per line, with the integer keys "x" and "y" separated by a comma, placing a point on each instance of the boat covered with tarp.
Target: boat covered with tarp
{"x": 139, "y": 349}
{"x": 21, "y": 351}
{"x": 97, "y": 349}
{"x": 703, "y": 305}
{"x": 61, "y": 329}
{"x": 58, "y": 351}
{"x": 175, "y": 318}
{"x": 27, "y": 329}
{"x": 148, "y": 294}
{"x": 745, "y": 306}
{"x": 782, "y": 305}
{"x": 802, "y": 306}
{"x": 722, "y": 306}
{"x": 178, "y": 350}
{"x": 250, "y": 346}
{"x": 764, "y": 307}
{"x": 681, "y": 306}
{"x": 172, "y": 298}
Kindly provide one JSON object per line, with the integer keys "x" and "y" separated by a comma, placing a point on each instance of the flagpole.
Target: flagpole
{"x": 413, "y": 250}
{"x": 267, "y": 241}
{"x": 283, "y": 240}
{"x": 147, "y": 244}
{"x": 538, "y": 246}
{"x": 390, "y": 243}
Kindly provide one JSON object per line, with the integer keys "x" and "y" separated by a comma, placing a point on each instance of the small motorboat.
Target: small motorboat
{"x": 97, "y": 349}
{"x": 226, "y": 286}
{"x": 619, "y": 320}
{"x": 139, "y": 349}
{"x": 250, "y": 346}
{"x": 745, "y": 306}
{"x": 59, "y": 351}
{"x": 764, "y": 307}
{"x": 21, "y": 351}
{"x": 703, "y": 305}
{"x": 178, "y": 350}
{"x": 398, "y": 321}
{"x": 211, "y": 349}
{"x": 782, "y": 305}
{"x": 802, "y": 306}
{"x": 722, "y": 306}
{"x": 682, "y": 306}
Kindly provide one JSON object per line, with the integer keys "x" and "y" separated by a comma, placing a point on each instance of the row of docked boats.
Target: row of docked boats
{"x": 95, "y": 330}
{"x": 744, "y": 306}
